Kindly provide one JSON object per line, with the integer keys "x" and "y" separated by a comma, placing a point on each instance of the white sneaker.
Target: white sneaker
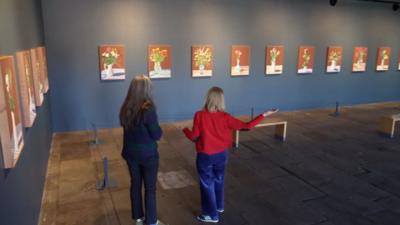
{"x": 220, "y": 210}
{"x": 207, "y": 219}
{"x": 139, "y": 222}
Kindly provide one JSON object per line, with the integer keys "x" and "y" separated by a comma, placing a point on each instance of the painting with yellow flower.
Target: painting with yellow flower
{"x": 159, "y": 61}
{"x": 112, "y": 62}
{"x": 383, "y": 59}
{"x": 202, "y": 61}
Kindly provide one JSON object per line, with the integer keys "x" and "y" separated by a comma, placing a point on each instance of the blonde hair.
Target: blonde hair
{"x": 215, "y": 101}
{"x": 138, "y": 99}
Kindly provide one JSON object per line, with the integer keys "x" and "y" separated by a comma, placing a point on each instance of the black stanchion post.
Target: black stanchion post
{"x": 252, "y": 112}
{"x": 106, "y": 182}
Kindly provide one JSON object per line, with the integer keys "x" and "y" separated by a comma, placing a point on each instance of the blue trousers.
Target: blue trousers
{"x": 143, "y": 169}
{"x": 211, "y": 170}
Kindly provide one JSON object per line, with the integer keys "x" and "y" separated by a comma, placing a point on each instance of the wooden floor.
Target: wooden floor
{"x": 330, "y": 171}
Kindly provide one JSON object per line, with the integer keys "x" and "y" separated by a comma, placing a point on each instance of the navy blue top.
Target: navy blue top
{"x": 142, "y": 138}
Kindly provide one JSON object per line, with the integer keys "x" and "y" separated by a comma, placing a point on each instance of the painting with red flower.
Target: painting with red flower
{"x": 240, "y": 60}
{"x": 305, "y": 63}
{"x": 274, "y": 59}
{"x": 383, "y": 59}
{"x": 159, "y": 61}
{"x": 112, "y": 62}
{"x": 11, "y": 127}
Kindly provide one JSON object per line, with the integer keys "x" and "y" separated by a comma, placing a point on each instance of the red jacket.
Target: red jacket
{"x": 212, "y": 131}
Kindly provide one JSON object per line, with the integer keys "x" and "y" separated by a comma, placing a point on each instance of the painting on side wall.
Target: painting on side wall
{"x": 202, "y": 61}
{"x": 383, "y": 59}
{"x": 26, "y": 87}
{"x": 360, "y": 57}
{"x": 112, "y": 62}
{"x": 274, "y": 60}
{"x": 306, "y": 60}
{"x": 240, "y": 60}
{"x": 11, "y": 125}
{"x": 398, "y": 62}
{"x": 159, "y": 61}
{"x": 37, "y": 79}
{"x": 43, "y": 68}
{"x": 334, "y": 59}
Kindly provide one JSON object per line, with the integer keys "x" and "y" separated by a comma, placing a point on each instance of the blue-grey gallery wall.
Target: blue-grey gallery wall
{"x": 21, "y": 188}
{"x": 74, "y": 29}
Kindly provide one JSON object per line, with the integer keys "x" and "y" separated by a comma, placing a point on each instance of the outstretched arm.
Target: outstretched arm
{"x": 236, "y": 124}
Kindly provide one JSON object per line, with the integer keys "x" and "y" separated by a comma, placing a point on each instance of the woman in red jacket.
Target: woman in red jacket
{"x": 212, "y": 133}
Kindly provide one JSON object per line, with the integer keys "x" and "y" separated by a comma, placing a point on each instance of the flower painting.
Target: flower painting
{"x": 306, "y": 60}
{"x": 334, "y": 59}
{"x": 202, "y": 61}
{"x": 398, "y": 63}
{"x": 112, "y": 62}
{"x": 11, "y": 128}
{"x": 26, "y": 87}
{"x": 43, "y": 68}
{"x": 360, "y": 59}
{"x": 159, "y": 61}
{"x": 274, "y": 60}
{"x": 240, "y": 60}
{"x": 37, "y": 77}
{"x": 383, "y": 59}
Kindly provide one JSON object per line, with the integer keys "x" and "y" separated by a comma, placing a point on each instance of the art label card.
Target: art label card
{"x": 240, "y": 60}
{"x": 360, "y": 57}
{"x": 274, "y": 59}
{"x": 383, "y": 59}
{"x": 202, "y": 61}
{"x": 159, "y": 61}
{"x": 334, "y": 59}
{"x": 305, "y": 60}
{"x": 26, "y": 87}
{"x": 11, "y": 127}
{"x": 112, "y": 62}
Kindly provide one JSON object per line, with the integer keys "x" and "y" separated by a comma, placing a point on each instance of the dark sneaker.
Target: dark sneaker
{"x": 207, "y": 219}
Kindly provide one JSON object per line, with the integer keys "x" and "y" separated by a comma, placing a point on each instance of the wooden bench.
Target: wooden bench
{"x": 280, "y": 130}
{"x": 387, "y": 124}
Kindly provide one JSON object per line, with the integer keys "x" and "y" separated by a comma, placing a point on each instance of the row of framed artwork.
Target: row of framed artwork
{"x": 18, "y": 105}
{"x": 112, "y": 60}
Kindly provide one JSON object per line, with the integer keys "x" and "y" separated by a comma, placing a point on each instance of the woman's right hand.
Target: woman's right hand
{"x": 270, "y": 112}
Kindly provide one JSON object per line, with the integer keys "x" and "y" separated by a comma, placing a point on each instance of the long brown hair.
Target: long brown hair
{"x": 215, "y": 101}
{"x": 138, "y": 99}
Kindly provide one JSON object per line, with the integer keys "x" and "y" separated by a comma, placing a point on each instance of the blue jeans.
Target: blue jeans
{"x": 143, "y": 169}
{"x": 211, "y": 170}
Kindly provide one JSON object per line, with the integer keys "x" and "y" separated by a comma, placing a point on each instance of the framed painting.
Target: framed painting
{"x": 360, "y": 57}
{"x": 11, "y": 127}
{"x": 159, "y": 61}
{"x": 274, "y": 59}
{"x": 43, "y": 68}
{"x": 240, "y": 60}
{"x": 334, "y": 59}
{"x": 202, "y": 60}
{"x": 398, "y": 63}
{"x": 26, "y": 87}
{"x": 112, "y": 62}
{"x": 383, "y": 59}
{"x": 305, "y": 60}
{"x": 37, "y": 79}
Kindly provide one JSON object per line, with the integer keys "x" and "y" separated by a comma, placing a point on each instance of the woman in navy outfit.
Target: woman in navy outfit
{"x": 138, "y": 117}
